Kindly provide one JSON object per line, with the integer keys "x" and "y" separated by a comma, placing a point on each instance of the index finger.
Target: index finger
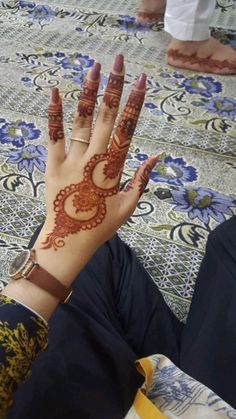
{"x": 125, "y": 129}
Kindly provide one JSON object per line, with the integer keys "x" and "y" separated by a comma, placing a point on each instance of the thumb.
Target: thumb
{"x": 136, "y": 186}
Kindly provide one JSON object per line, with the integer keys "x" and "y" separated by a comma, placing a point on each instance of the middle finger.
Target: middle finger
{"x": 109, "y": 108}
{"x": 82, "y": 125}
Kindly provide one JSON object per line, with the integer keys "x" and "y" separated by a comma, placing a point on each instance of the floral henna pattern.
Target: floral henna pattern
{"x": 55, "y": 119}
{"x": 207, "y": 62}
{"x": 88, "y": 98}
{"x": 113, "y": 91}
{"x": 123, "y": 134}
{"x": 88, "y": 206}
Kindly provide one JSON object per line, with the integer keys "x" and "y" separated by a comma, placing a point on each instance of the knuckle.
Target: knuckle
{"x": 107, "y": 115}
{"x": 83, "y": 122}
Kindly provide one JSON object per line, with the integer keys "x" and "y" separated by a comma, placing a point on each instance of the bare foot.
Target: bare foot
{"x": 208, "y": 56}
{"x": 151, "y": 11}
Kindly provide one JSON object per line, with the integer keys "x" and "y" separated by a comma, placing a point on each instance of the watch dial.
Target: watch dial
{"x": 19, "y": 262}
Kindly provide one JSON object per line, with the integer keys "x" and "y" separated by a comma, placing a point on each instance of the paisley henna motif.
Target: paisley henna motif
{"x": 55, "y": 120}
{"x": 207, "y": 63}
{"x": 88, "y": 98}
{"x": 88, "y": 203}
{"x": 113, "y": 91}
{"x": 123, "y": 135}
{"x": 131, "y": 183}
{"x": 144, "y": 178}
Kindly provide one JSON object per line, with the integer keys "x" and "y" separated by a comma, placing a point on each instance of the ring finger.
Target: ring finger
{"x": 83, "y": 119}
{"x": 109, "y": 108}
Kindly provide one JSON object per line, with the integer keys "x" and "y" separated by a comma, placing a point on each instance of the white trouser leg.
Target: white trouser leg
{"x": 188, "y": 20}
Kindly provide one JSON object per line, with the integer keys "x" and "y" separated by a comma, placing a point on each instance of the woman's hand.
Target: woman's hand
{"x": 84, "y": 204}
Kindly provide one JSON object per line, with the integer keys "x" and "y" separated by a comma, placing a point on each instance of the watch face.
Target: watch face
{"x": 19, "y": 262}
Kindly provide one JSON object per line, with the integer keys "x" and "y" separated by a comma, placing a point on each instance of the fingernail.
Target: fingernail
{"x": 118, "y": 64}
{"x": 95, "y": 71}
{"x": 55, "y": 97}
{"x": 141, "y": 82}
{"x": 155, "y": 160}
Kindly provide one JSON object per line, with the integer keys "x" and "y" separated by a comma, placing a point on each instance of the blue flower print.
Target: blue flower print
{"x": 150, "y": 106}
{"x": 201, "y": 85}
{"x": 26, "y": 4}
{"x": 164, "y": 75}
{"x": 225, "y": 107}
{"x": 173, "y": 171}
{"x": 59, "y": 54}
{"x": 28, "y": 157}
{"x": 41, "y": 13}
{"x": 129, "y": 24}
{"x": 203, "y": 204}
{"x": 153, "y": 109}
{"x": 169, "y": 387}
{"x": 77, "y": 62}
{"x": 17, "y": 132}
{"x": 141, "y": 157}
{"x": 133, "y": 164}
{"x": 25, "y": 79}
{"x": 178, "y": 76}
{"x": 77, "y": 78}
{"x": 154, "y": 86}
{"x": 103, "y": 81}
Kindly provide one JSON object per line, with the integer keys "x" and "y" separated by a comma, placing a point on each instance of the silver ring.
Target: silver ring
{"x": 80, "y": 140}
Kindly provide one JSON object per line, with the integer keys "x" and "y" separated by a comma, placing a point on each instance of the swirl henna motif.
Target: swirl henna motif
{"x": 113, "y": 91}
{"x": 88, "y": 203}
{"x": 55, "y": 118}
{"x": 88, "y": 98}
{"x": 207, "y": 62}
{"x": 123, "y": 134}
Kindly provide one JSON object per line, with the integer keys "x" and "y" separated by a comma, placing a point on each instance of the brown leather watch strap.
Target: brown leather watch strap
{"x": 45, "y": 280}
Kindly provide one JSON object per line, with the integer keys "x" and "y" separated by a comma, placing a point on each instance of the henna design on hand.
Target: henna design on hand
{"x": 88, "y": 206}
{"x": 113, "y": 91}
{"x": 123, "y": 135}
{"x": 143, "y": 178}
{"x": 55, "y": 117}
{"x": 207, "y": 63}
{"x": 88, "y": 98}
{"x": 131, "y": 183}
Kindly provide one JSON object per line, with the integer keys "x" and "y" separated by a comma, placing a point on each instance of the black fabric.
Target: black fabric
{"x": 116, "y": 315}
{"x": 209, "y": 337}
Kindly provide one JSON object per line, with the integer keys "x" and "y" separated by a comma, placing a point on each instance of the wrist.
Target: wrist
{"x": 66, "y": 262}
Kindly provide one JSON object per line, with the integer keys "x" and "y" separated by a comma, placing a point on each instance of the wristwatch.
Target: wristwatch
{"x": 25, "y": 266}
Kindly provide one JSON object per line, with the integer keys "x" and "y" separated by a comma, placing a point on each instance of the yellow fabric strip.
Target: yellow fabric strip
{"x": 144, "y": 366}
{"x": 145, "y": 409}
